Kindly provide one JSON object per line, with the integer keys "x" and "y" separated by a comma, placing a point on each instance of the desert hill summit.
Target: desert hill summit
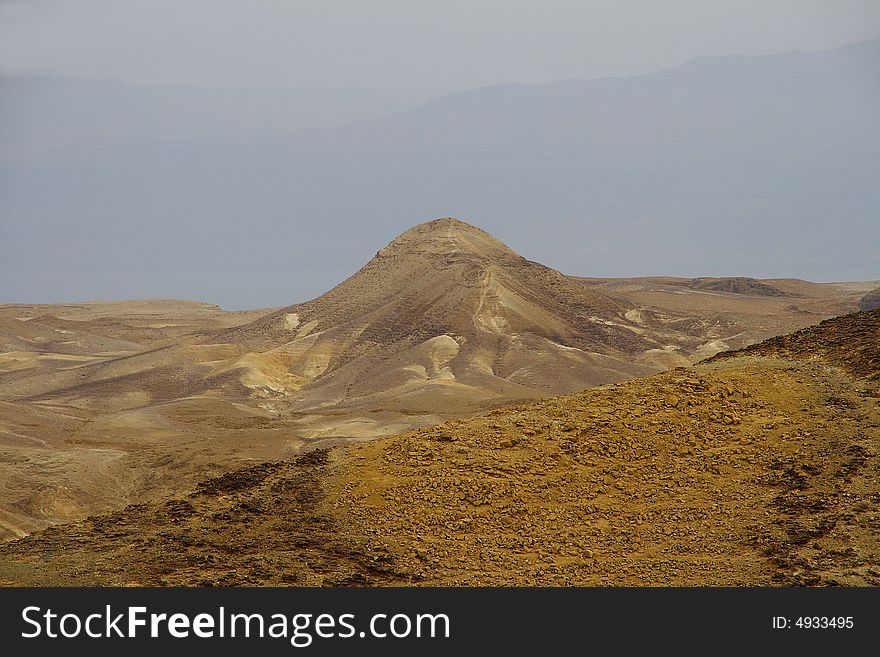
{"x": 446, "y": 275}
{"x": 447, "y": 237}
{"x": 444, "y": 305}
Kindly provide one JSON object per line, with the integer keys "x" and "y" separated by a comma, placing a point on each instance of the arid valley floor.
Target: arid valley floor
{"x": 452, "y": 414}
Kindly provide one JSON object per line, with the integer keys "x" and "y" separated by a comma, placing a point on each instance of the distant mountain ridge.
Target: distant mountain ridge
{"x": 719, "y": 166}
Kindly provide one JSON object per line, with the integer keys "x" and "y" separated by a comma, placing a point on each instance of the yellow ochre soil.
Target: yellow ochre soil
{"x": 104, "y": 404}
{"x": 757, "y": 469}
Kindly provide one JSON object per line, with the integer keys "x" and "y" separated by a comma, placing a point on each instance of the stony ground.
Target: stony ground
{"x": 755, "y": 470}
{"x": 103, "y": 404}
{"x": 851, "y": 342}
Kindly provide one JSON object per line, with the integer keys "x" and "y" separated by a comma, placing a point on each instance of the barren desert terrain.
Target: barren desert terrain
{"x": 758, "y": 467}
{"x": 105, "y": 404}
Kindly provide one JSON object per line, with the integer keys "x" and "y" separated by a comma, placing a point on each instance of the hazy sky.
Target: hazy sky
{"x": 272, "y": 194}
{"x": 439, "y": 45}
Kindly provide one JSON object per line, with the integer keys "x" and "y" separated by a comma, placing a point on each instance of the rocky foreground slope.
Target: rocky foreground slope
{"x": 106, "y": 403}
{"x": 851, "y": 342}
{"x": 870, "y": 301}
{"x": 759, "y": 468}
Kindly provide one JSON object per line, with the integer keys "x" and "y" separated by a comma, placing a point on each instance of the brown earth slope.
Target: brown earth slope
{"x": 444, "y": 316}
{"x": 760, "y": 468}
{"x": 105, "y": 403}
{"x": 851, "y": 342}
{"x": 84, "y": 425}
{"x": 871, "y": 301}
{"x": 736, "y": 285}
{"x": 699, "y": 317}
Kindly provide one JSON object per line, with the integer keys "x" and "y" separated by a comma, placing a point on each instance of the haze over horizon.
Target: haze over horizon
{"x": 450, "y": 46}
{"x": 258, "y": 156}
